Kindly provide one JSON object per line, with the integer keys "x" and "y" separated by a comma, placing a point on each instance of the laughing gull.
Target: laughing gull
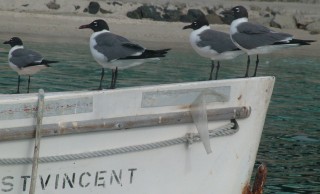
{"x": 211, "y": 44}
{"x": 256, "y": 39}
{"x": 116, "y": 52}
{"x": 24, "y": 61}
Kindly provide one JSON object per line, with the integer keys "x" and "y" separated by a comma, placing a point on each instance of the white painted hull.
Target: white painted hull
{"x": 176, "y": 169}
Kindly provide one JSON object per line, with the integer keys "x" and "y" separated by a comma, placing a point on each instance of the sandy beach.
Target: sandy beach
{"x": 33, "y": 24}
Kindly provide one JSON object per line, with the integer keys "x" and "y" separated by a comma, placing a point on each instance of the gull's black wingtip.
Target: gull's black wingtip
{"x": 48, "y": 61}
{"x": 165, "y": 51}
{"x": 157, "y": 53}
{"x": 301, "y": 42}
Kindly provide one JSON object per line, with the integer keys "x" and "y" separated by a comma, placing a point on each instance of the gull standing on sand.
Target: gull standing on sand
{"x": 24, "y": 61}
{"x": 211, "y": 44}
{"x": 256, "y": 39}
{"x": 116, "y": 52}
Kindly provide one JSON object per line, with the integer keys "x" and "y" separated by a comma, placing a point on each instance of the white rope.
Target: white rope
{"x": 189, "y": 138}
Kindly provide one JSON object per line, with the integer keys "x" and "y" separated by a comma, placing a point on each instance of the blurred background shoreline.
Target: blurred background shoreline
{"x": 153, "y": 21}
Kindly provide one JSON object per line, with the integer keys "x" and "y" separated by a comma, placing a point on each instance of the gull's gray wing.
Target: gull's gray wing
{"x": 116, "y": 47}
{"x": 250, "y": 36}
{"x": 24, "y": 58}
{"x": 218, "y": 41}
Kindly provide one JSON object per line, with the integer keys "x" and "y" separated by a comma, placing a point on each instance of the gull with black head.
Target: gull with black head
{"x": 212, "y": 44}
{"x": 256, "y": 39}
{"x": 116, "y": 52}
{"x": 25, "y": 61}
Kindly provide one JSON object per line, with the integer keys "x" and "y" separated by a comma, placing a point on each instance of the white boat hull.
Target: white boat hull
{"x": 176, "y": 169}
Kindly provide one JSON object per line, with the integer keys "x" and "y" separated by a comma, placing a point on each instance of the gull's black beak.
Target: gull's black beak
{"x": 226, "y": 13}
{"x": 186, "y": 27}
{"x": 227, "y": 16}
{"x": 84, "y": 26}
{"x": 6, "y": 42}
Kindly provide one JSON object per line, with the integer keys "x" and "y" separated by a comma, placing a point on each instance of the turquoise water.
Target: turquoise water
{"x": 290, "y": 144}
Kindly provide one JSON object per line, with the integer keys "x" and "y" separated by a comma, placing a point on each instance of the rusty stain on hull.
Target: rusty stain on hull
{"x": 246, "y": 189}
{"x": 259, "y": 181}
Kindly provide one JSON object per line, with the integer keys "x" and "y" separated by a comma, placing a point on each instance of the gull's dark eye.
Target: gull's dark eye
{"x": 237, "y": 9}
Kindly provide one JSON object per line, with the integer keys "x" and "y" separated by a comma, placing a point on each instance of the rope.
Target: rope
{"x": 189, "y": 138}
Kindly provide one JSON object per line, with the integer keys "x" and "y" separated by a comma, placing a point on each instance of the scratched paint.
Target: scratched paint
{"x": 184, "y": 96}
{"x": 52, "y": 108}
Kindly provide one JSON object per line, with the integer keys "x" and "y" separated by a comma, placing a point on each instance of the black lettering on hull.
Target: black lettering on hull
{"x": 53, "y": 182}
{"x": 44, "y": 184}
{"x": 81, "y": 179}
{"x": 8, "y": 185}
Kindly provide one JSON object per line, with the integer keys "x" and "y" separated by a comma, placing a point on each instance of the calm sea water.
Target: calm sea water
{"x": 290, "y": 144}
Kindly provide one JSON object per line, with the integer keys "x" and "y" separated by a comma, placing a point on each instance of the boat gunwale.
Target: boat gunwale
{"x": 121, "y": 123}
